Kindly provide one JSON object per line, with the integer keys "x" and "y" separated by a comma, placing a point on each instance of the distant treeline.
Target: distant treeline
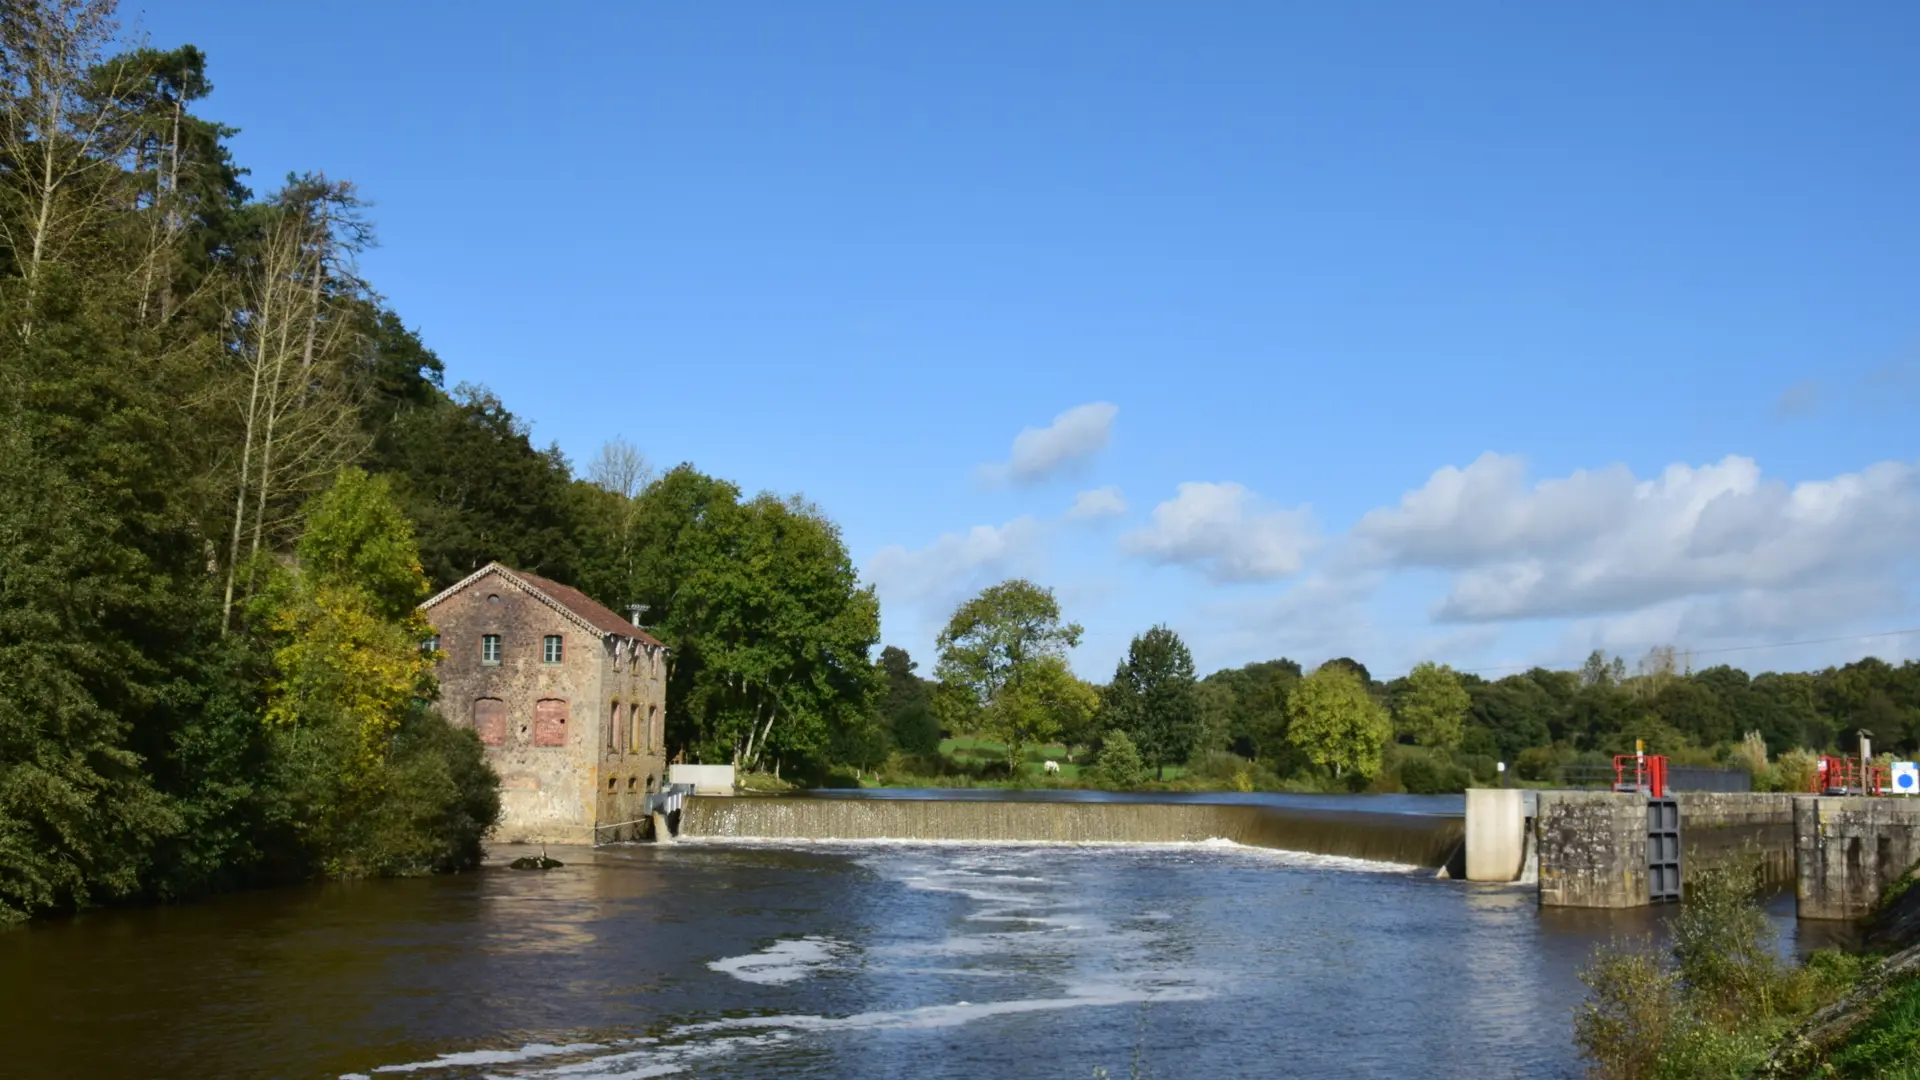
{"x": 1273, "y": 724}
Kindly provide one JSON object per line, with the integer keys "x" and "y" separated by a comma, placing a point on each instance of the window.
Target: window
{"x": 613, "y": 729}
{"x": 552, "y": 652}
{"x": 550, "y": 722}
{"x": 656, "y": 739}
{"x": 635, "y": 736}
{"x": 431, "y": 645}
{"x": 490, "y": 648}
{"x": 490, "y": 720}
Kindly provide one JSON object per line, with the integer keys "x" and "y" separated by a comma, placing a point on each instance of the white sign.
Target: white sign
{"x": 1906, "y": 778}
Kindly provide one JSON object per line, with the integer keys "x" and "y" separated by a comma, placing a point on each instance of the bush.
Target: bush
{"x": 1791, "y": 771}
{"x": 1630, "y": 1014}
{"x": 1721, "y": 1002}
{"x": 1538, "y": 763}
{"x": 1481, "y": 767}
{"x": 1425, "y": 774}
{"x": 1119, "y": 766}
{"x": 1219, "y": 769}
{"x": 1722, "y": 945}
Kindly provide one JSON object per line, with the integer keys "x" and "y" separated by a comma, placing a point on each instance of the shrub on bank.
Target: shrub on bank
{"x": 1119, "y": 766}
{"x": 1711, "y": 1005}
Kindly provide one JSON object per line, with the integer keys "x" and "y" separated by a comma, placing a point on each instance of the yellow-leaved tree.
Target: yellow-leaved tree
{"x": 350, "y": 690}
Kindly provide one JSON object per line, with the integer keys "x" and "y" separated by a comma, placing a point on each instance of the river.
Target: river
{"x": 875, "y": 959}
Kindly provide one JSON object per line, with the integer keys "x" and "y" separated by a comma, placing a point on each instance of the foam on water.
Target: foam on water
{"x": 1304, "y": 859}
{"x": 781, "y": 962}
{"x": 1038, "y": 931}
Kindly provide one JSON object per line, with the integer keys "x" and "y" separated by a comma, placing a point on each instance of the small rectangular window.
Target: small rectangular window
{"x": 490, "y": 648}
{"x": 553, "y": 649}
{"x": 432, "y": 644}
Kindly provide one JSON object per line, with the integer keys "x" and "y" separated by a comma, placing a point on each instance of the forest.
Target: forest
{"x": 230, "y": 470}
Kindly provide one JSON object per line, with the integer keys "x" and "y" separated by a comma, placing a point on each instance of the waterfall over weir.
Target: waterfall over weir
{"x": 1409, "y": 839}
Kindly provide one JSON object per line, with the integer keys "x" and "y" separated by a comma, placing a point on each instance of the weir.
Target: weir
{"x": 1425, "y": 840}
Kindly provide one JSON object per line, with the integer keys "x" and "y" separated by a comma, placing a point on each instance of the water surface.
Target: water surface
{"x": 875, "y": 960}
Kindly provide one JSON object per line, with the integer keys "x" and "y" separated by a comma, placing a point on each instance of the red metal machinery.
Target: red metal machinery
{"x": 1641, "y": 772}
{"x": 1844, "y": 776}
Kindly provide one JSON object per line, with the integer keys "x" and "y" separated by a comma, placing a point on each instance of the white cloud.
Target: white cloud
{"x": 1097, "y": 503}
{"x": 954, "y": 562}
{"x": 1227, "y": 533}
{"x": 1075, "y": 435}
{"x": 1605, "y": 542}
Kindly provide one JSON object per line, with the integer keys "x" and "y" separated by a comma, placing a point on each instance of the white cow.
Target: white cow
{"x": 1052, "y": 768}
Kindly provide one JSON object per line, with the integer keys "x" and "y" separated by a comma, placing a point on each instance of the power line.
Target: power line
{"x": 1722, "y": 650}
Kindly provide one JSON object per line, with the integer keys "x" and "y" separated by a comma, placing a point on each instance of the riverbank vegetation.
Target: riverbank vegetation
{"x": 1719, "y": 1001}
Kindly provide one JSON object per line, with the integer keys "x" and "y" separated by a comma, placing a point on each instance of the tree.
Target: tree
{"x": 65, "y": 138}
{"x": 906, "y": 702}
{"x": 295, "y": 403}
{"x": 1152, "y": 698}
{"x": 1119, "y": 766}
{"x": 770, "y": 628}
{"x": 1035, "y": 707}
{"x": 380, "y": 784}
{"x": 1433, "y": 707}
{"x": 517, "y": 509}
{"x": 352, "y": 659}
{"x": 992, "y": 638}
{"x": 1336, "y": 723}
{"x": 77, "y": 812}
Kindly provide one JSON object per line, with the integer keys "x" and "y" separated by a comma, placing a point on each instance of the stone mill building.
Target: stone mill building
{"x": 569, "y": 700}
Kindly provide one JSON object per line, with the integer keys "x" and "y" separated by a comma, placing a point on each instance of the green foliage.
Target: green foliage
{"x": 477, "y": 489}
{"x": 771, "y": 629}
{"x": 907, "y": 704}
{"x": 1432, "y": 708}
{"x": 1152, "y": 698}
{"x": 1887, "y": 1045}
{"x": 1631, "y": 1016}
{"x": 1425, "y": 773}
{"x": 993, "y": 637}
{"x": 1119, "y": 766}
{"x": 1245, "y": 709}
{"x": 1041, "y": 700}
{"x": 1336, "y": 723}
{"x": 1722, "y": 946}
{"x": 1719, "y": 999}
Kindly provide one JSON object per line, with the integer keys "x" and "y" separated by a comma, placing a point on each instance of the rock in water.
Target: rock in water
{"x": 528, "y": 862}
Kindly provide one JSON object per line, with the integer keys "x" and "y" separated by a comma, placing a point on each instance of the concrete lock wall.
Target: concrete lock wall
{"x": 706, "y": 779}
{"x": 1720, "y": 825}
{"x": 1496, "y": 833}
{"x": 1850, "y": 849}
{"x": 1593, "y": 849}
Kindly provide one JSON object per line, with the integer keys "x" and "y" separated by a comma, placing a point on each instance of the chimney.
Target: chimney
{"x": 634, "y": 611}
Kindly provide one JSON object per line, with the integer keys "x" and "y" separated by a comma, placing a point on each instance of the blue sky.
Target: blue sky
{"x": 1472, "y": 332}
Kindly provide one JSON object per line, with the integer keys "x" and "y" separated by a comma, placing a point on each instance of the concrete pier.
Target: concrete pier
{"x": 1850, "y": 848}
{"x": 1496, "y": 833}
{"x": 1593, "y": 849}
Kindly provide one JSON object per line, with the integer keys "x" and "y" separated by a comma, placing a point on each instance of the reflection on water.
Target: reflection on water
{"x": 852, "y": 960}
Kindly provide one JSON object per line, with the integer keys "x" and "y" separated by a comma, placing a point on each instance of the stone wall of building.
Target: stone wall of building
{"x": 1850, "y": 849}
{"x": 546, "y": 791}
{"x": 632, "y": 749}
{"x": 1592, "y": 849}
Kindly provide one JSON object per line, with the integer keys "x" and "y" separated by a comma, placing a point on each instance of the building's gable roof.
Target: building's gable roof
{"x": 565, "y": 599}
